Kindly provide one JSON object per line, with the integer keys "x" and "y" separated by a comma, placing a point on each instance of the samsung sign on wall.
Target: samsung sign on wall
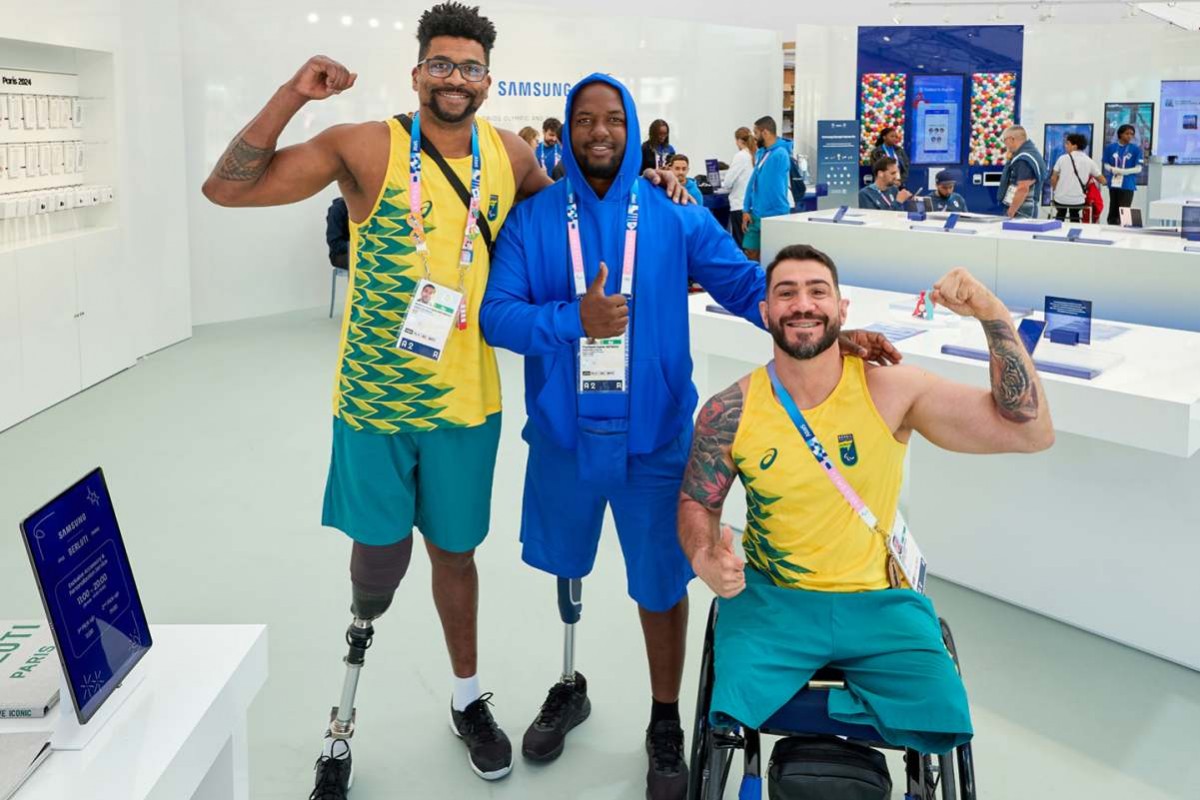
{"x": 532, "y": 89}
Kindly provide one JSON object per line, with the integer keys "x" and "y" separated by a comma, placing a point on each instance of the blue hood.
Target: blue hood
{"x": 631, "y": 162}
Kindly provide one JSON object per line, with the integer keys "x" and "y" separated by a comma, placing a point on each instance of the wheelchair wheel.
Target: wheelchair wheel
{"x": 963, "y": 756}
{"x": 707, "y": 762}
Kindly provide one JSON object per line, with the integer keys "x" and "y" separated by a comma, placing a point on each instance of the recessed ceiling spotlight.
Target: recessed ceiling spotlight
{"x": 313, "y": 17}
{"x": 398, "y": 25}
{"x": 347, "y": 20}
{"x": 372, "y": 23}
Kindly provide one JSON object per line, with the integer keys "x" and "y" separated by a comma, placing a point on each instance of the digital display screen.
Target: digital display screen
{"x": 938, "y": 118}
{"x": 1179, "y": 128}
{"x": 87, "y": 588}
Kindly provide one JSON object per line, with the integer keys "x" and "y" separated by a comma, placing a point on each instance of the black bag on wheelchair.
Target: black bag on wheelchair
{"x": 827, "y": 768}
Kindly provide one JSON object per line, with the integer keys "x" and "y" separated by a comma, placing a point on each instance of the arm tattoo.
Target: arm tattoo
{"x": 243, "y": 161}
{"x": 1013, "y": 388}
{"x": 710, "y": 470}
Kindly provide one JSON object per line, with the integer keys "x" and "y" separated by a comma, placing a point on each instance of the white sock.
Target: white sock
{"x": 336, "y": 748}
{"x": 466, "y": 691}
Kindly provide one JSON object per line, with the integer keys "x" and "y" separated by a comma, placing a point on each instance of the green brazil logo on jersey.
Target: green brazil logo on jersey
{"x": 847, "y": 449}
{"x": 493, "y": 207}
{"x": 768, "y": 458}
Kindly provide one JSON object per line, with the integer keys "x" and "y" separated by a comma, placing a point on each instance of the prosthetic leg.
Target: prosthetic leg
{"x": 567, "y": 703}
{"x": 366, "y": 609}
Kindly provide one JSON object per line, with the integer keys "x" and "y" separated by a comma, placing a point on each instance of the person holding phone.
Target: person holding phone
{"x": 885, "y": 193}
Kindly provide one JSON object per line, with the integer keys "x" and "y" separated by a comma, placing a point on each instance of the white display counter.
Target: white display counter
{"x": 182, "y": 732}
{"x": 1170, "y": 209}
{"x": 1143, "y": 277}
{"x": 1098, "y": 531}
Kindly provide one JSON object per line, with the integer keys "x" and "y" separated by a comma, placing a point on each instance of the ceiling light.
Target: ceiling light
{"x": 347, "y": 20}
{"x": 372, "y": 23}
{"x": 398, "y": 25}
{"x": 313, "y": 17}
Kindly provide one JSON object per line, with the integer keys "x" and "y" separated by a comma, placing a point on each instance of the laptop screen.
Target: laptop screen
{"x": 87, "y": 588}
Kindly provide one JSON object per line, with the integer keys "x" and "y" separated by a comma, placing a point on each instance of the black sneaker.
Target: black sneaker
{"x": 488, "y": 750}
{"x": 566, "y": 706}
{"x": 667, "y": 778}
{"x": 335, "y": 771}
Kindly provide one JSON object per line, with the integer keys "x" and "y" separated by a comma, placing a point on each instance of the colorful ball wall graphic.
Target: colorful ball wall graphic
{"x": 993, "y": 108}
{"x": 881, "y": 97}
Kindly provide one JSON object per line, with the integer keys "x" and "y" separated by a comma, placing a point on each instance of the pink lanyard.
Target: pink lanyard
{"x": 631, "y": 225}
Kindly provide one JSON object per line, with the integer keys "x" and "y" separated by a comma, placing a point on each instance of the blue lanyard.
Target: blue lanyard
{"x": 576, "y": 245}
{"x": 819, "y": 452}
{"x": 887, "y": 148}
{"x": 542, "y": 154}
{"x": 416, "y": 219}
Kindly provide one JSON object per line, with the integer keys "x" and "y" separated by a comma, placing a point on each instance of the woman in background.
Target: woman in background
{"x": 888, "y": 144}
{"x": 737, "y": 178}
{"x": 530, "y": 135}
{"x": 657, "y": 148}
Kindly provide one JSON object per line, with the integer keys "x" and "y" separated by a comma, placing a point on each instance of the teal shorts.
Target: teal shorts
{"x": 380, "y": 485}
{"x": 900, "y": 679}
{"x": 752, "y": 238}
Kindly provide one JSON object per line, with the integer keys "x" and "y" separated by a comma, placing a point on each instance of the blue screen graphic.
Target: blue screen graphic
{"x": 92, "y": 603}
{"x": 937, "y": 116}
{"x": 1179, "y": 127}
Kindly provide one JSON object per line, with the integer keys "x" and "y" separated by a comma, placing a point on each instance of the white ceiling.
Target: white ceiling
{"x": 784, "y": 16}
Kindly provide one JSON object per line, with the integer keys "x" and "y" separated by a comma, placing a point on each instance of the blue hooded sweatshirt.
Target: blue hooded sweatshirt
{"x": 531, "y": 308}
{"x": 769, "y": 192}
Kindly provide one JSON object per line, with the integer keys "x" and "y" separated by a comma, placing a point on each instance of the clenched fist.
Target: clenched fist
{"x": 321, "y": 77}
{"x": 721, "y": 568}
{"x": 963, "y": 294}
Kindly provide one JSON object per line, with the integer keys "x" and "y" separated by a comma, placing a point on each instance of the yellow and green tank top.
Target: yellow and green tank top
{"x": 800, "y": 531}
{"x": 380, "y": 388}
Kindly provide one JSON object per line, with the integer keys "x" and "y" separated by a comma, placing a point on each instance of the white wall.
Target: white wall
{"x": 1070, "y": 71}
{"x": 251, "y": 262}
{"x": 144, "y": 36}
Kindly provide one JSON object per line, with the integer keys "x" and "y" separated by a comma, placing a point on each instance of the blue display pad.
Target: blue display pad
{"x": 1055, "y": 146}
{"x": 1189, "y": 223}
{"x": 937, "y": 103}
{"x": 87, "y": 588}
{"x": 1030, "y": 331}
{"x": 1179, "y": 126}
{"x": 1050, "y": 367}
{"x": 1032, "y": 225}
{"x": 894, "y": 333}
{"x": 1065, "y": 314}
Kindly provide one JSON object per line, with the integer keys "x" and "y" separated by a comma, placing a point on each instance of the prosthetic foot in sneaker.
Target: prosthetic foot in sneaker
{"x": 335, "y": 772}
{"x": 566, "y": 706}
{"x": 667, "y": 777}
{"x": 488, "y": 750}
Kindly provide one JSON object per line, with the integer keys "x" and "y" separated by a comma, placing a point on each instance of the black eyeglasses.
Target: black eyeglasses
{"x": 444, "y": 68}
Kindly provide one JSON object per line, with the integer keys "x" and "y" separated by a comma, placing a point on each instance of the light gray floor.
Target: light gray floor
{"x": 216, "y": 452}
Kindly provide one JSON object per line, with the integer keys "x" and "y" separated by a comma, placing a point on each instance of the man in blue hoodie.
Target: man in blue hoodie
{"x": 608, "y": 388}
{"x": 767, "y": 194}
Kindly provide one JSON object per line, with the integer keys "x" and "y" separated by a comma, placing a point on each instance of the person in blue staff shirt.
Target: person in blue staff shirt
{"x": 885, "y": 192}
{"x": 613, "y": 431}
{"x": 769, "y": 192}
{"x": 1020, "y": 190}
{"x": 679, "y": 164}
{"x": 945, "y": 198}
{"x": 1122, "y": 165}
{"x": 549, "y": 152}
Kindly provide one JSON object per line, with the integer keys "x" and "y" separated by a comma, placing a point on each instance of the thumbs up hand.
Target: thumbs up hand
{"x": 603, "y": 316}
{"x": 720, "y": 567}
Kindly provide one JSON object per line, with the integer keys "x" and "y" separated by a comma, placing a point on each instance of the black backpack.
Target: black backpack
{"x": 827, "y": 768}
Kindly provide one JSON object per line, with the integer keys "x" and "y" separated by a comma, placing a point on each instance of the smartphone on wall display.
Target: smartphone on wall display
{"x": 951, "y": 221}
{"x": 1030, "y": 331}
{"x": 841, "y": 212}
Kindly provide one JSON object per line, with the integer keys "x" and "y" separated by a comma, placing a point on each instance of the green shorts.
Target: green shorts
{"x": 900, "y": 679}
{"x": 380, "y": 485}
{"x": 752, "y": 238}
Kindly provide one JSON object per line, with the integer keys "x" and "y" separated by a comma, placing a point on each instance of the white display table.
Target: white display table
{"x": 1144, "y": 278}
{"x": 1170, "y": 209}
{"x": 181, "y": 734}
{"x": 1098, "y": 532}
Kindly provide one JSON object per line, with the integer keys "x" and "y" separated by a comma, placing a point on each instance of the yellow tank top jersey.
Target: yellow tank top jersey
{"x": 800, "y": 531}
{"x": 380, "y": 388}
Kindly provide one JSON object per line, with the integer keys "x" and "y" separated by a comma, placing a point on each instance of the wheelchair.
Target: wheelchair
{"x": 946, "y": 777}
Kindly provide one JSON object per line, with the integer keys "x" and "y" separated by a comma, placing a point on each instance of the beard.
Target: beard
{"x": 601, "y": 170}
{"x": 809, "y": 349}
{"x": 474, "y": 101}
{"x": 761, "y": 142}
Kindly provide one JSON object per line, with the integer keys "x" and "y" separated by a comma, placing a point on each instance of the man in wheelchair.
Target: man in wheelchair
{"x": 832, "y": 575}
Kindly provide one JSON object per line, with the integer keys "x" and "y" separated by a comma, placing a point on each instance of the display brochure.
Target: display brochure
{"x": 87, "y": 587}
{"x": 29, "y": 669}
{"x": 1065, "y": 314}
{"x": 20, "y": 755}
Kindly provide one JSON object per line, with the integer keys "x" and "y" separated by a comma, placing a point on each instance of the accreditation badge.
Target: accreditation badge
{"x": 906, "y": 555}
{"x": 603, "y": 365}
{"x": 430, "y": 318}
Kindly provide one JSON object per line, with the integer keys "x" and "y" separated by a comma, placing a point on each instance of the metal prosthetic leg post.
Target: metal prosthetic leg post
{"x": 366, "y": 608}
{"x": 570, "y": 608}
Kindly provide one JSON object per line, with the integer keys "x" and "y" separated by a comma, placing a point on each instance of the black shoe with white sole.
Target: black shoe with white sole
{"x": 566, "y": 706}
{"x": 488, "y": 749}
{"x": 335, "y": 771}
